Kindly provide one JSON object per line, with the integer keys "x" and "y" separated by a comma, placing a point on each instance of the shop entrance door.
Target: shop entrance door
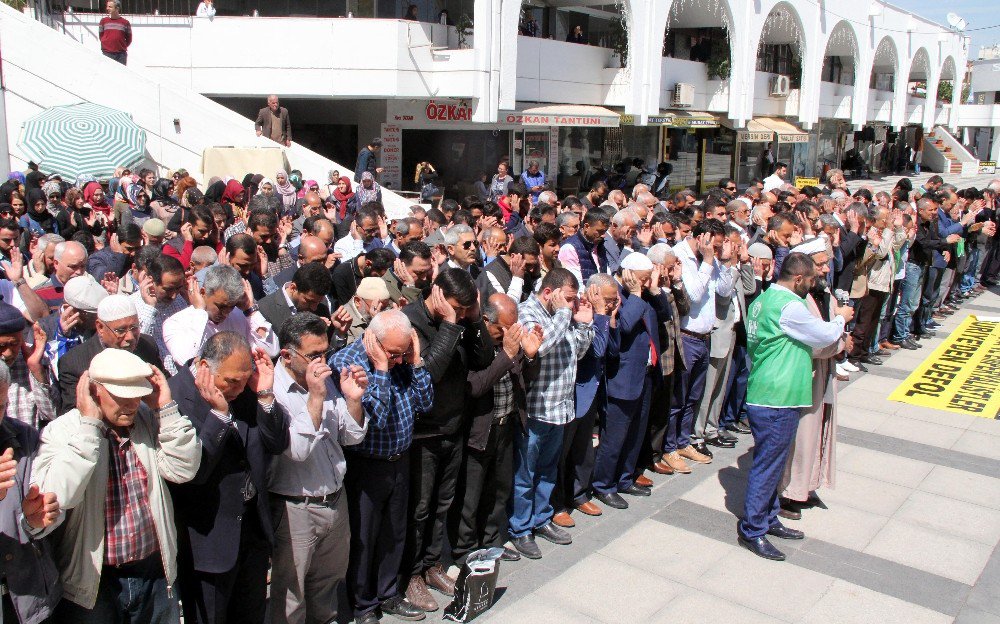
{"x": 528, "y": 145}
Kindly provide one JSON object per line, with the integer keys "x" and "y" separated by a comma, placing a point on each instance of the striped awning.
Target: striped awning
{"x": 82, "y": 139}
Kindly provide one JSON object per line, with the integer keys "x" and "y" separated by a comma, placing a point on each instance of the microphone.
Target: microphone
{"x": 843, "y": 297}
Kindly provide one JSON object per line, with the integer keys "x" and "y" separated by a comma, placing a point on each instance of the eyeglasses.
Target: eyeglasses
{"x": 121, "y": 332}
{"x": 468, "y": 244}
{"x": 393, "y": 356}
{"x": 313, "y": 356}
{"x": 730, "y": 188}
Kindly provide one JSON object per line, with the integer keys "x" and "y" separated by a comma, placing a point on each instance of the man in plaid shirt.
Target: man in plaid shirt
{"x": 567, "y": 329}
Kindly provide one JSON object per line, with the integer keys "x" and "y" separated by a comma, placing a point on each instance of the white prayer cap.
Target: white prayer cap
{"x": 810, "y": 247}
{"x": 637, "y": 262}
{"x": 115, "y": 307}
{"x": 84, "y": 293}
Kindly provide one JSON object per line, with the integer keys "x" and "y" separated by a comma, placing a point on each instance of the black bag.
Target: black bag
{"x": 475, "y": 585}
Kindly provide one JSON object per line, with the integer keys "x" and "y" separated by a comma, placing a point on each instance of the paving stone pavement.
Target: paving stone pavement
{"x": 910, "y": 534}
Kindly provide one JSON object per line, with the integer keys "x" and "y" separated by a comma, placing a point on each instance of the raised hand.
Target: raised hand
{"x": 317, "y": 372}
{"x": 404, "y": 275}
{"x": 516, "y": 263}
{"x": 195, "y": 297}
{"x": 593, "y": 294}
{"x": 512, "y": 339}
{"x": 584, "y": 312}
{"x": 69, "y": 318}
{"x": 263, "y": 376}
{"x": 414, "y": 356}
{"x": 110, "y": 283}
{"x": 341, "y": 320}
{"x": 645, "y": 236}
{"x": 631, "y": 283}
{"x": 531, "y": 341}
{"x": 440, "y": 307}
{"x": 8, "y": 469}
{"x": 376, "y": 354}
{"x": 33, "y": 356}
{"x": 559, "y": 300}
{"x": 161, "y": 391}
{"x": 15, "y": 270}
{"x": 204, "y": 381}
{"x": 261, "y": 266}
{"x": 794, "y": 239}
{"x": 706, "y": 248}
{"x": 187, "y": 232}
{"x": 353, "y": 382}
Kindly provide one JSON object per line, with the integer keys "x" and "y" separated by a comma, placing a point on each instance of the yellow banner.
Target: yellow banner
{"x": 962, "y": 375}
{"x": 804, "y": 182}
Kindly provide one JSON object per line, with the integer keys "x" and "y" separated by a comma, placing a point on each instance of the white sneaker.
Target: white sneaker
{"x": 847, "y": 366}
{"x": 843, "y": 372}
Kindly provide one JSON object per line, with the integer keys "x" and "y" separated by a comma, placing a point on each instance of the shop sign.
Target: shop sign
{"x": 988, "y": 166}
{"x": 793, "y": 138}
{"x": 436, "y": 111}
{"x": 522, "y": 119}
{"x": 433, "y": 112}
{"x": 392, "y": 157}
{"x": 694, "y": 122}
{"x": 804, "y": 182}
{"x": 746, "y": 136}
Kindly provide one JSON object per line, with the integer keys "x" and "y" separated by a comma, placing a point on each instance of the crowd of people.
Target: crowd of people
{"x": 212, "y": 389}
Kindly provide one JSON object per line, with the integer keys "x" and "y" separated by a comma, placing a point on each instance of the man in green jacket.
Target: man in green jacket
{"x": 781, "y": 334}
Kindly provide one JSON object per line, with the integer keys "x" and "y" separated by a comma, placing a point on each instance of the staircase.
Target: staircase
{"x": 944, "y": 153}
{"x": 954, "y": 166}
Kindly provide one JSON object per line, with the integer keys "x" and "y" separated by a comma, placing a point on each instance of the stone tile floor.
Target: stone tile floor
{"x": 909, "y": 535}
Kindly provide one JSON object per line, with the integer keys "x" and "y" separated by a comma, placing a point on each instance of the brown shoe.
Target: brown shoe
{"x": 675, "y": 461}
{"x": 563, "y": 520}
{"x": 437, "y": 579}
{"x": 885, "y": 344}
{"x": 662, "y": 467}
{"x": 416, "y": 592}
{"x": 644, "y": 481}
{"x": 689, "y": 452}
{"x": 590, "y": 508}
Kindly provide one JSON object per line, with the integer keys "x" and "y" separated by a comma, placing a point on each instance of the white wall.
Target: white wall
{"x": 44, "y": 68}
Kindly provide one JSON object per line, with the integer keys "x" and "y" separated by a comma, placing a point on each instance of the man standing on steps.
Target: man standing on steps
{"x": 115, "y": 33}
{"x": 781, "y": 336}
{"x": 273, "y": 122}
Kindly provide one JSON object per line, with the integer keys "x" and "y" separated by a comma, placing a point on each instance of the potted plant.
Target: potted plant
{"x": 464, "y": 29}
{"x": 718, "y": 65}
{"x": 619, "y": 40}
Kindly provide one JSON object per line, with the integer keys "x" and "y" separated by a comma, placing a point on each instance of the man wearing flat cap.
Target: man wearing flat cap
{"x": 117, "y": 328}
{"x": 371, "y": 297}
{"x": 32, "y": 395}
{"x": 74, "y": 323}
{"x": 108, "y": 462}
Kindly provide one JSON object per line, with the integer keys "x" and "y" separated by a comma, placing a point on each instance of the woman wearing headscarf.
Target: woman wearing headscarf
{"x": 345, "y": 203}
{"x": 162, "y": 201}
{"x": 266, "y": 188}
{"x": 37, "y": 221}
{"x": 53, "y": 192}
{"x": 79, "y": 215}
{"x": 285, "y": 189}
{"x": 369, "y": 190}
{"x": 233, "y": 199}
{"x": 251, "y": 183}
{"x": 138, "y": 212}
{"x": 213, "y": 194}
{"x": 93, "y": 194}
{"x": 332, "y": 182}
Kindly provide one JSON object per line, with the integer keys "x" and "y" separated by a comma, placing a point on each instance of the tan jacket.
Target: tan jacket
{"x": 73, "y": 464}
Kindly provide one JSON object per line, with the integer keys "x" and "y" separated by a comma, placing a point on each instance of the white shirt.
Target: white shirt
{"x": 799, "y": 323}
{"x": 184, "y": 333}
{"x": 516, "y": 286}
{"x": 772, "y": 181}
{"x": 313, "y": 464}
{"x": 702, "y": 282}
{"x": 350, "y": 247}
{"x": 205, "y": 10}
{"x": 8, "y": 292}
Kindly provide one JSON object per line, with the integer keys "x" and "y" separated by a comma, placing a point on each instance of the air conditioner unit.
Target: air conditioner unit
{"x": 780, "y": 86}
{"x": 683, "y": 94}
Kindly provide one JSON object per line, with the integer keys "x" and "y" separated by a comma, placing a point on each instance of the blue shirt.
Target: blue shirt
{"x": 532, "y": 181}
{"x": 391, "y": 401}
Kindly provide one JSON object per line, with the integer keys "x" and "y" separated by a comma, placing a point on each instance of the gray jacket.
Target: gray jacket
{"x": 724, "y": 332}
{"x": 25, "y": 561}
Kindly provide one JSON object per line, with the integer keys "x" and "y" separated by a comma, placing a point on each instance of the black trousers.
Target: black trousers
{"x": 377, "y": 491}
{"x": 486, "y": 480}
{"x": 237, "y": 596}
{"x": 866, "y": 321}
{"x": 576, "y": 461}
{"x": 434, "y": 466}
{"x": 659, "y": 416}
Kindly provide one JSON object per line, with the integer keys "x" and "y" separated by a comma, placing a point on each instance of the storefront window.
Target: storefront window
{"x": 530, "y": 145}
{"x": 580, "y": 149}
{"x": 751, "y": 162}
{"x": 682, "y": 147}
{"x": 717, "y": 160}
{"x": 829, "y": 148}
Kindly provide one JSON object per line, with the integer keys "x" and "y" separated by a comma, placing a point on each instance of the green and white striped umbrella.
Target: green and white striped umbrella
{"x": 81, "y": 139}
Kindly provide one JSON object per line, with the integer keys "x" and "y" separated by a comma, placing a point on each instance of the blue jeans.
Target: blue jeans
{"x": 736, "y": 395}
{"x": 135, "y": 592}
{"x": 909, "y": 301}
{"x": 773, "y": 434}
{"x": 969, "y": 277}
{"x": 689, "y": 388}
{"x": 536, "y": 466}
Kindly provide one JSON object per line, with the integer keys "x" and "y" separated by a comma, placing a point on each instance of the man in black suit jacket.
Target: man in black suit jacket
{"x": 307, "y": 292}
{"x": 223, "y": 515}
{"x": 108, "y": 260}
{"x": 117, "y": 328}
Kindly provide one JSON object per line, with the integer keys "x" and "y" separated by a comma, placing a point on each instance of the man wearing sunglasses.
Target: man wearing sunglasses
{"x": 460, "y": 242}
{"x": 117, "y": 327}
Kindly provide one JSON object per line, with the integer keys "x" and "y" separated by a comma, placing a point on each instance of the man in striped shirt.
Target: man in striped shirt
{"x": 115, "y": 33}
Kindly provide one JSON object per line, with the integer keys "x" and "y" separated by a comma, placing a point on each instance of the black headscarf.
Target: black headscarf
{"x": 213, "y": 194}
{"x": 161, "y": 192}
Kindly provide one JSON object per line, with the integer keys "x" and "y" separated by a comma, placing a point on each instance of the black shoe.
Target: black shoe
{"x": 725, "y": 436}
{"x": 906, "y": 344}
{"x": 554, "y": 534}
{"x": 874, "y": 360}
{"x": 526, "y": 546}
{"x": 703, "y": 449}
{"x": 509, "y": 554}
{"x": 861, "y": 367}
{"x": 636, "y": 490}
{"x": 403, "y": 609}
{"x": 881, "y": 353}
{"x": 367, "y": 618}
{"x": 738, "y": 427}
{"x": 761, "y": 547}
{"x": 720, "y": 442}
{"x": 783, "y": 532}
{"x": 914, "y": 344}
{"x": 613, "y": 500}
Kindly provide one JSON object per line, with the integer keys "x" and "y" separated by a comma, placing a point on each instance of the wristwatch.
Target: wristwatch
{"x": 263, "y": 394}
{"x": 20, "y": 282}
{"x": 252, "y": 309}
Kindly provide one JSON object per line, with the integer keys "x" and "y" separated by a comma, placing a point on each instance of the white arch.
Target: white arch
{"x": 836, "y": 45}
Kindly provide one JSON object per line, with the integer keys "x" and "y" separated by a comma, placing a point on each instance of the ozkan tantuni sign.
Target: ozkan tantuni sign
{"x": 962, "y": 375}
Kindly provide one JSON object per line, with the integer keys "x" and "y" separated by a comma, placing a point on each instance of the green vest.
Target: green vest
{"x": 781, "y": 370}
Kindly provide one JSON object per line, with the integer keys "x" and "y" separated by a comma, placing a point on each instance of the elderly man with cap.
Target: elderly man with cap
{"x": 371, "y": 298}
{"x": 75, "y": 322}
{"x": 224, "y": 303}
{"x": 812, "y": 461}
{"x": 108, "y": 462}
{"x": 631, "y": 376}
{"x": 70, "y": 261}
{"x": 31, "y": 397}
{"x": 117, "y": 327}
{"x": 153, "y": 232}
